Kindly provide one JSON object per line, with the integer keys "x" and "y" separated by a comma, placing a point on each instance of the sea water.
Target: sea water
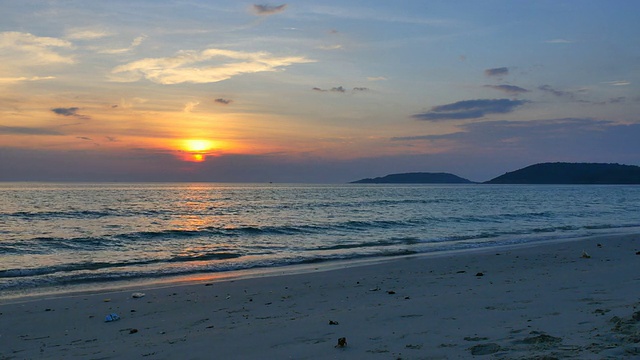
{"x": 69, "y": 234}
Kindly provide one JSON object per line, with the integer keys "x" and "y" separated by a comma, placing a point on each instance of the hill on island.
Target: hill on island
{"x": 571, "y": 173}
{"x": 416, "y": 178}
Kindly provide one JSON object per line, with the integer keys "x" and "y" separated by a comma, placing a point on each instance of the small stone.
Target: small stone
{"x": 485, "y": 349}
{"x": 391, "y": 292}
{"x": 342, "y": 342}
{"x": 479, "y": 274}
{"x": 542, "y": 339}
{"x": 331, "y": 322}
{"x": 133, "y": 331}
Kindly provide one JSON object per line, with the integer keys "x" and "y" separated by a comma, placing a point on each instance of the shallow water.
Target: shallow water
{"x": 65, "y": 234}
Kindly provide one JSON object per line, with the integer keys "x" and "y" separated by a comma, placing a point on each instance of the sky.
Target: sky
{"x": 313, "y": 91}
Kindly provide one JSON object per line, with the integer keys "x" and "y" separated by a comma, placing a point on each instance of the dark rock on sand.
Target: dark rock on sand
{"x": 485, "y": 349}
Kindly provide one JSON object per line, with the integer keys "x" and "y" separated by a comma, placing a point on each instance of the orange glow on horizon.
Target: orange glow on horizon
{"x": 196, "y": 150}
{"x": 198, "y": 145}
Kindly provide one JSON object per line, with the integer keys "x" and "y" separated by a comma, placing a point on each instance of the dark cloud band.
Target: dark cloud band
{"x": 469, "y": 109}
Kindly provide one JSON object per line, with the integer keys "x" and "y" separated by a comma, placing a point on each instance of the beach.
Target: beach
{"x": 560, "y": 299}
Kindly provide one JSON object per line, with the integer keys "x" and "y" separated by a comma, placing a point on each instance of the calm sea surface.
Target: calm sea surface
{"x": 54, "y": 235}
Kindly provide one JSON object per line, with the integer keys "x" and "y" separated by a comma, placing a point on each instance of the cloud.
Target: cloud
{"x": 188, "y": 107}
{"x": 330, "y": 47}
{"x": 376, "y": 78}
{"x": 509, "y": 89}
{"x": 340, "y": 89}
{"x": 469, "y": 109}
{"x": 19, "y": 49}
{"x": 556, "y": 92}
{"x": 497, "y": 71}
{"x": 86, "y": 34}
{"x": 223, "y": 101}
{"x": 566, "y": 139}
{"x": 559, "y": 41}
{"x": 84, "y": 138}
{"x": 618, "y": 83}
{"x": 20, "y": 130}
{"x": 199, "y": 67}
{"x": 268, "y": 9}
{"x": 134, "y": 43}
{"x": 70, "y": 111}
{"x": 9, "y": 80}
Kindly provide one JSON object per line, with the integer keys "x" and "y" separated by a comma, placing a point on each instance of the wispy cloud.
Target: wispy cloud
{"x": 223, "y": 101}
{"x": 509, "y": 89}
{"x": 86, "y": 34}
{"x": 134, "y": 44}
{"x": 198, "y": 67}
{"x": 559, "y": 93}
{"x": 501, "y": 71}
{"x": 330, "y": 47}
{"x": 24, "y": 78}
{"x": 70, "y": 111}
{"x": 469, "y": 109}
{"x": 376, "y": 78}
{"x": 618, "y": 83}
{"x": 340, "y": 89}
{"x": 559, "y": 41}
{"x": 188, "y": 107}
{"x": 21, "y": 130}
{"x": 264, "y": 9}
{"x": 19, "y": 49}
{"x": 545, "y": 137}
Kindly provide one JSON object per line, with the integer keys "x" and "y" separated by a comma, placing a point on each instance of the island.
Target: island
{"x": 571, "y": 173}
{"x": 416, "y": 178}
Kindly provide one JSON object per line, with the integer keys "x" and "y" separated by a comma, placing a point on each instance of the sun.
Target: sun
{"x": 195, "y": 150}
{"x": 198, "y": 145}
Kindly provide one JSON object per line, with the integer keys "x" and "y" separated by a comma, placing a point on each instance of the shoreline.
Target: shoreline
{"x": 508, "y": 302}
{"x": 92, "y": 288}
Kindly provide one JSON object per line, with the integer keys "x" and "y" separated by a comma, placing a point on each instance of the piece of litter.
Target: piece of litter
{"x": 137, "y": 295}
{"x": 585, "y": 255}
{"x": 342, "y": 342}
{"x": 112, "y": 317}
{"x": 331, "y": 322}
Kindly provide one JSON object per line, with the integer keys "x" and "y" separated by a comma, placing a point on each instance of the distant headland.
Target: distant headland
{"x": 571, "y": 173}
{"x": 543, "y": 173}
{"x": 416, "y": 178}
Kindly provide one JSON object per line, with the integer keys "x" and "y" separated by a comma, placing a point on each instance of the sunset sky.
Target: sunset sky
{"x": 313, "y": 91}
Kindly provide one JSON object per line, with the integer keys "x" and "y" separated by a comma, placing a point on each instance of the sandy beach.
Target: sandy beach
{"x": 573, "y": 299}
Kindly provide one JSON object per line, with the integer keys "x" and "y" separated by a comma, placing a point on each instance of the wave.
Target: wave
{"x": 94, "y": 266}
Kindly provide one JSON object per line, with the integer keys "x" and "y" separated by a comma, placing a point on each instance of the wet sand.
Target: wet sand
{"x": 522, "y": 302}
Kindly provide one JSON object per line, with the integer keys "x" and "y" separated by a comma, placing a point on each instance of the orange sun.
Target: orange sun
{"x": 196, "y": 149}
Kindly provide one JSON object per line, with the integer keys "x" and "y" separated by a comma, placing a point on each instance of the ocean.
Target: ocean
{"x": 57, "y": 236}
